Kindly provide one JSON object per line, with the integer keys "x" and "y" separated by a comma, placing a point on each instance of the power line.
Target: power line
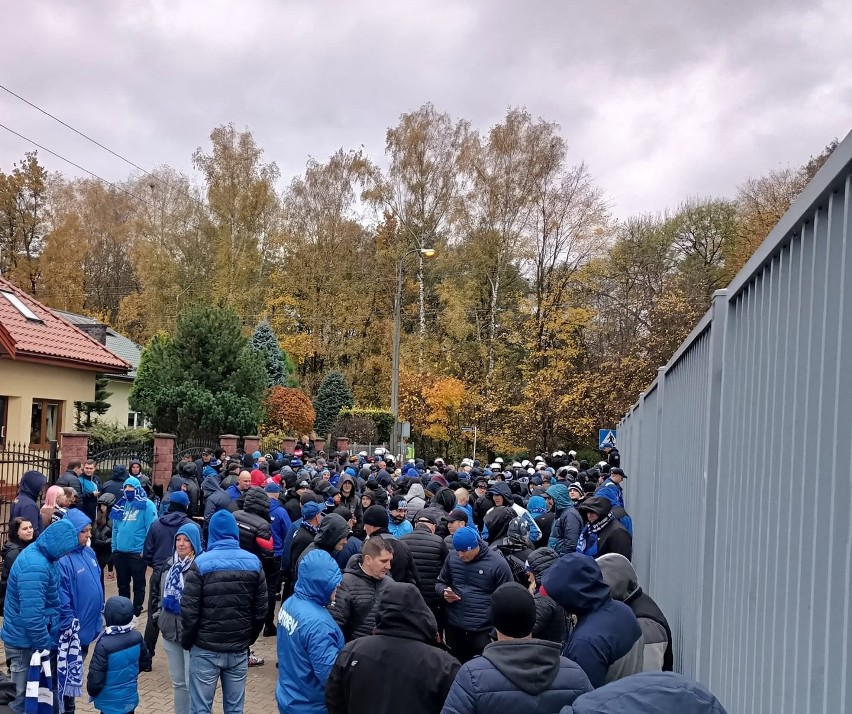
{"x": 75, "y": 165}
{"x": 97, "y": 143}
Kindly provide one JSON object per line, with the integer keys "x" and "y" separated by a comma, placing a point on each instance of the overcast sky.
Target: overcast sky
{"x": 662, "y": 98}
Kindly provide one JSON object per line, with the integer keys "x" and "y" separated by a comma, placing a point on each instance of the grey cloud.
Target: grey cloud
{"x": 662, "y": 99}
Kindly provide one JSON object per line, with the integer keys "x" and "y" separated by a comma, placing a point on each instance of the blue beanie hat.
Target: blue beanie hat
{"x": 465, "y": 539}
{"x": 256, "y": 455}
{"x": 537, "y": 506}
{"x": 272, "y": 487}
{"x": 180, "y": 498}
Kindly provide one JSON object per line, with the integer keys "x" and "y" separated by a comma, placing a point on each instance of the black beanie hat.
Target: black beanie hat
{"x": 513, "y": 610}
{"x": 376, "y": 516}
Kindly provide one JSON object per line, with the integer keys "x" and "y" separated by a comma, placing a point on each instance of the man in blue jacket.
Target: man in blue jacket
{"x": 222, "y": 608}
{"x": 467, "y": 579}
{"x": 308, "y": 638}
{"x": 132, "y": 516}
{"x": 31, "y": 614}
{"x": 25, "y": 504}
{"x": 80, "y": 590}
{"x": 516, "y": 673}
{"x": 567, "y": 523}
{"x": 607, "y": 640}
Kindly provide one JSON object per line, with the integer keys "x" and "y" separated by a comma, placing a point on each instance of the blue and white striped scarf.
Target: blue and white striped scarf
{"x": 69, "y": 665}
{"x": 39, "y": 692}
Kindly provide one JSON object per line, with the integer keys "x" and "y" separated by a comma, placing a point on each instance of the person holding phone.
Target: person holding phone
{"x": 467, "y": 579}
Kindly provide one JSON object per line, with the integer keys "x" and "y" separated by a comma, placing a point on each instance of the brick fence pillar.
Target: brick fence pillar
{"x": 319, "y": 445}
{"x": 342, "y": 443}
{"x": 228, "y": 442}
{"x": 288, "y": 445}
{"x": 251, "y": 444}
{"x": 75, "y": 447}
{"x": 164, "y": 454}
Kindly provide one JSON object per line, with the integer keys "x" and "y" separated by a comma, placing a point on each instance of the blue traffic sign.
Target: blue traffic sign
{"x": 606, "y": 436}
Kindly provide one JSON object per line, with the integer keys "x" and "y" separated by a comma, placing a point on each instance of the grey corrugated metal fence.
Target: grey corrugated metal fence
{"x": 740, "y": 484}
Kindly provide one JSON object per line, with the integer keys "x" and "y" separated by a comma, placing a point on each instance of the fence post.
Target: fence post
{"x": 75, "y": 447}
{"x": 342, "y": 443}
{"x": 658, "y": 452}
{"x": 288, "y": 445}
{"x": 251, "y": 444}
{"x": 704, "y": 607}
{"x": 164, "y": 453}
{"x": 228, "y": 442}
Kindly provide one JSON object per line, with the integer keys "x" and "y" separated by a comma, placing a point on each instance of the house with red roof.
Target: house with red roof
{"x": 46, "y": 364}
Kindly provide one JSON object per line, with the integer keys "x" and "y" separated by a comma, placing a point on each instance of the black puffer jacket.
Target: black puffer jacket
{"x": 357, "y": 601}
{"x": 224, "y": 600}
{"x": 550, "y": 619}
{"x": 428, "y": 551}
{"x": 253, "y": 523}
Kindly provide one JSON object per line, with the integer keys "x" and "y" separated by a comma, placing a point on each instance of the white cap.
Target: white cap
{"x": 572, "y": 453}
{"x": 495, "y": 466}
{"x": 601, "y": 464}
{"x": 531, "y": 471}
{"x": 558, "y": 453}
{"x": 539, "y": 458}
{"x": 516, "y": 465}
{"x": 498, "y": 460}
{"x": 466, "y": 462}
{"x": 363, "y": 454}
{"x": 525, "y": 463}
{"x": 379, "y": 451}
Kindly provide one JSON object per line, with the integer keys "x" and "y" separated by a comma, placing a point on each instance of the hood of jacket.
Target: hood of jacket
{"x": 211, "y": 485}
{"x": 319, "y": 575}
{"x": 57, "y": 539}
{"x": 177, "y": 483}
{"x": 540, "y": 560}
{"x": 445, "y": 499}
{"x": 648, "y": 692}
{"x": 191, "y": 531}
{"x": 79, "y": 520}
{"x": 348, "y": 479}
{"x": 561, "y": 498}
{"x": 174, "y": 518}
{"x": 497, "y": 521}
{"x": 119, "y": 473}
{"x": 415, "y": 490}
{"x": 133, "y": 481}
{"x": 32, "y": 483}
{"x": 575, "y": 582}
{"x": 597, "y": 504}
{"x": 223, "y": 531}
{"x": 531, "y": 665}
{"x": 619, "y": 575}
{"x": 501, "y": 488}
{"x": 118, "y": 611}
{"x": 332, "y": 528}
{"x": 402, "y": 612}
{"x": 256, "y": 501}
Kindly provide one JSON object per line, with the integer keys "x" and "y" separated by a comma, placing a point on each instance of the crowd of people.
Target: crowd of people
{"x": 440, "y": 588}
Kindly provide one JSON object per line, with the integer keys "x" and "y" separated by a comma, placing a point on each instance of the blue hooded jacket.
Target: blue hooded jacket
{"x": 615, "y": 495}
{"x": 567, "y": 525}
{"x": 116, "y": 662}
{"x": 279, "y": 525}
{"x": 128, "y": 534}
{"x": 664, "y": 692}
{"x": 80, "y": 592}
{"x": 606, "y": 630}
{"x": 308, "y": 638}
{"x": 25, "y": 505}
{"x": 31, "y": 614}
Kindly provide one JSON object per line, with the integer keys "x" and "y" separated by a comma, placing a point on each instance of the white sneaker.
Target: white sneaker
{"x": 134, "y": 622}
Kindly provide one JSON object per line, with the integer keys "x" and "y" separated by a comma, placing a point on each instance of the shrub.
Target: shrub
{"x": 361, "y": 429}
{"x": 382, "y": 419}
{"x": 332, "y": 396}
{"x": 288, "y": 410}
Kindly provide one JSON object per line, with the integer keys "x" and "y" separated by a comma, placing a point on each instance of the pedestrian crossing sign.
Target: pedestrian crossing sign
{"x": 606, "y": 436}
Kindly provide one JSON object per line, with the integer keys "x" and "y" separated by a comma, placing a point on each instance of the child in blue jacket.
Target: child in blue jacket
{"x": 120, "y": 653}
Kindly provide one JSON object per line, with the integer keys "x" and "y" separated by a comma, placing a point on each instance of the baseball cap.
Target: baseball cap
{"x": 310, "y": 510}
{"x": 465, "y": 539}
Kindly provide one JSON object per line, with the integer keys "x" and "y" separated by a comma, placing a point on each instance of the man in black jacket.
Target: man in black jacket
{"x": 603, "y": 533}
{"x": 253, "y": 521}
{"x": 421, "y": 674}
{"x": 71, "y": 479}
{"x": 332, "y": 536}
{"x": 356, "y": 603}
{"x": 403, "y": 569}
{"x": 222, "y": 610}
{"x": 428, "y": 551}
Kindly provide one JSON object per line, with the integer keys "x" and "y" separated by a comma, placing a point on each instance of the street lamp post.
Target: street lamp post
{"x": 397, "y": 307}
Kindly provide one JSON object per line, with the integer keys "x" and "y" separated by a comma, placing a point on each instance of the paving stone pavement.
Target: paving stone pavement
{"x": 155, "y": 687}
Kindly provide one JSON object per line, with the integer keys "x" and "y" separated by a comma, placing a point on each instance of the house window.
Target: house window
{"x": 135, "y": 420}
{"x": 45, "y": 422}
{"x": 20, "y": 306}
